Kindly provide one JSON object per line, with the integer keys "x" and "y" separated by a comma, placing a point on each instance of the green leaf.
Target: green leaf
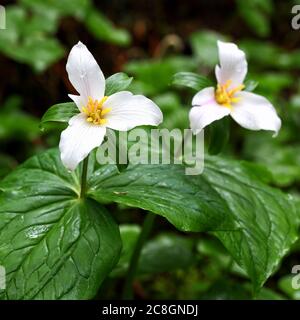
{"x": 26, "y": 40}
{"x": 19, "y": 125}
{"x": 226, "y": 289}
{"x": 61, "y": 112}
{"x": 285, "y": 284}
{"x": 103, "y": 29}
{"x": 282, "y": 159}
{"x": 256, "y": 223}
{"x": 59, "y": 8}
{"x": 188, "y": 202}
{"x": 39, "y": 52}
{"x": 53, "y": 244}
{"x": 162, "y": 254}
{"x": 268, "y": 294}
{"x": 214, "y": 249}
{"x": 117, "y": 82}
{"x": 191, "y": 80}
{"x": 273, "y": 82}
{"x": 256, "y": 14}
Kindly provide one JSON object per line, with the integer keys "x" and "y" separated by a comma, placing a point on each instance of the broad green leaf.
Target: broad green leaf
{"x": 281, "y": 159}
{"x": 53, "y": 244}
{"x": 268, "y": 294}
{"x": 268, "y": 219}
{"x": 226, "y": 289}
{"x": 103, "y": 29}
{"x": 59, "y": 8}
{"x": 213, "y": 249}
{"x": 285, "y": 284}
{"x": 165, "y": 253}
{"x": 256, "y": 14}
{"x": 61, "y": 112}
{"x": 117, "y": 82}
{"x": 188, "y": 202}
{"x": 273, "y": 82}
{"x": 191, "y": 80}
{"x": 19, "y": 125}
{"x": 256, "y": 223}
{"x": 39, "y": 52}
{"x": 26, "y": 39}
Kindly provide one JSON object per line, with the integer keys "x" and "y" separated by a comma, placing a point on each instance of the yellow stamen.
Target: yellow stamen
{"x": 105, "y": 111}
{"x": 95, "y": 112}
{"x": 226, "y": 97}
{"x": 235, "y": 90}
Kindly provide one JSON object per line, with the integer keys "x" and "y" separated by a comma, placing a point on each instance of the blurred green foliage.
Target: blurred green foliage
{"x": 30, "y": 35}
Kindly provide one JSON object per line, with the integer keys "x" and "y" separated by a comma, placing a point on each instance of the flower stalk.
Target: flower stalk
{"x": 146, "y": 229}
{"x": 84, "y": 177}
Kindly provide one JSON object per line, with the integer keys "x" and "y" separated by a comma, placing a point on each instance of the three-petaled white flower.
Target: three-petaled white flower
{"x": 121, "y": 111}
{"x": 250, "y": 110}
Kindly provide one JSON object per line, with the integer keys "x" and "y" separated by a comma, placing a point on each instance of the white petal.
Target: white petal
{"x": 79, "y": 101}
{"x": 255, "y": 112}
{"x": 129, "y": 111}
{"x": 204, "y": 96}
{"x": 204, "y": 115}
{"x": 85, "y": 73}
{"x": 233, "y": 64}
{"x": 78, "y": 140}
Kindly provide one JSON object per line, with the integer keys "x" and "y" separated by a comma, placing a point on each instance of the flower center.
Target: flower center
{"x": 95, "y": 112}
{"x": 226, "y": 97}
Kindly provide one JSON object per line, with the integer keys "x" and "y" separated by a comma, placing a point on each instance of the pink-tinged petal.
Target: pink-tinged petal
{"x": 233, "y": 64}
{"x": 78, "y": 140}
{"x": 129, "y": 111}
{"x": 85, "y": 73}
{"x": 255, "y": 112}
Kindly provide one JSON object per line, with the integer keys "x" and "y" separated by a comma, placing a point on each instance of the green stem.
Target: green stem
{"x": 83, "y": 177}
{"x": 146, "y": 229}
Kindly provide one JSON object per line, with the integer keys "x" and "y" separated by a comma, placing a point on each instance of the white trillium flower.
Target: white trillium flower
{"x": 121, "y": 111}
{"x": 250, "y": 110}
